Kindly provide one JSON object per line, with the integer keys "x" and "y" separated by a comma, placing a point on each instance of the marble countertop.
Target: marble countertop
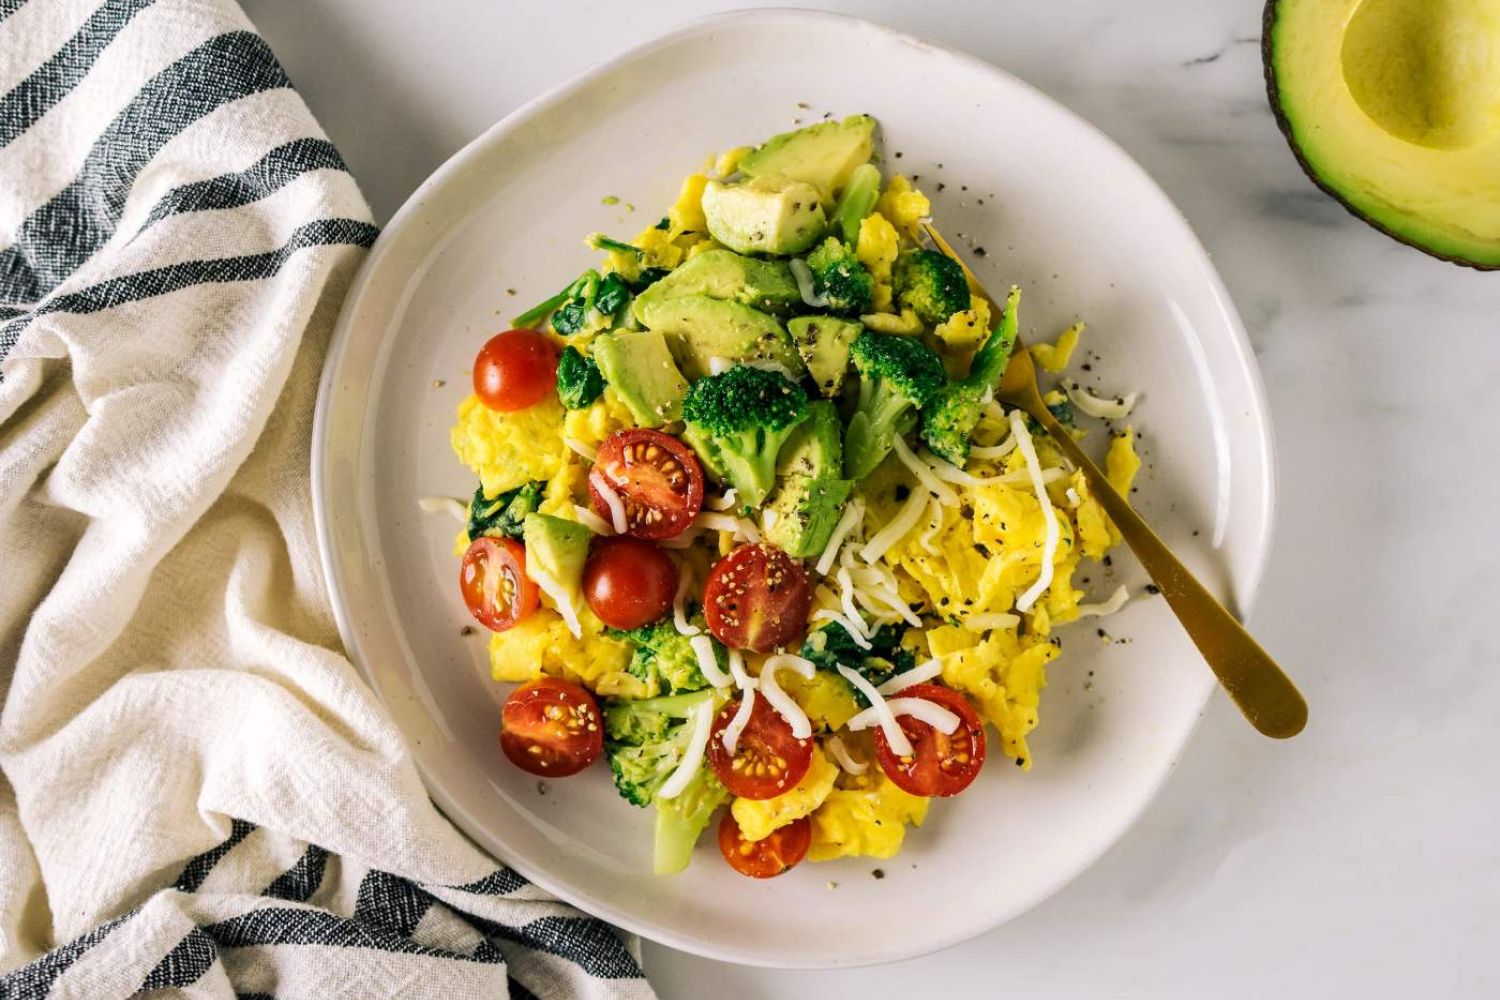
{"x": 1361, "y": 859}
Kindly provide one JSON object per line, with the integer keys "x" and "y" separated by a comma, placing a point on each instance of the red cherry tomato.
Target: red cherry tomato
{"x": 767, "y": 758}
{"x": 766, "y": 858}
{"x": 551, "y": 727}
{"x": 628, "y": 582}
{"x": 941, "y": 764}
{"x": 657, "y": 478}
{"x": 515, "y": 369}
{"x": 757, "y": 598}
{"x": 494, "y": 582}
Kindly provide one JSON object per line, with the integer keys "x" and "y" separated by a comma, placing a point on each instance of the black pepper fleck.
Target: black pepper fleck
{"x": 878, "y": 873}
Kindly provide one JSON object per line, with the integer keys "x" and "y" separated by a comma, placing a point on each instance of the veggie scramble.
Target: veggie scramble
{"x": 751, "y": 527}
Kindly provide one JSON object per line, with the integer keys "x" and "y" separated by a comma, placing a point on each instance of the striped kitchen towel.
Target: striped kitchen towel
{"x": 199, "y": 794}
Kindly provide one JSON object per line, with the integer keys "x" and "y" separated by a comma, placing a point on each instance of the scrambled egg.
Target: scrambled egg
{"x": 1054, "y": 357}
{"x": 729, "y": 162}
{"x": 541, "y": 644}
{"x": 1002, "y": 674}
{"x": 876, "y": 247}
{"x": 959, "y": 336}
{"x": 903, "y": 205}
{"x": 686, "y": 233}
{"x": 865, "y": 815}
{"x": 758, "y": 818}
{"x": 507, "y": 450}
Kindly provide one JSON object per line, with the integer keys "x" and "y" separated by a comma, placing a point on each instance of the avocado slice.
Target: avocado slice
{"x": 823, "y": 155}
{"x": 810, "y": 496}
{"x": 558, "y": 548}
{"x": 816, "y": 446}
{"x": 700, "y": 329}
{"x": 640, "y": 367}
{"x": 764, "y": 215}
{"x": 1388, "y": 107}
{"x": 724, "y": 274}
{"x": 823, "y": 342}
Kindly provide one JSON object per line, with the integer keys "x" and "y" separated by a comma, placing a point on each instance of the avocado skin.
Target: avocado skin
{"x": 1273, "y": 94}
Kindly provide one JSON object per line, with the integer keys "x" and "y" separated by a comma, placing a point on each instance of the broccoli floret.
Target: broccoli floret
{"x": 840, "y": 279}
{"x": 645, "y": 740}
{"x": 502, "y": 517}
{"x": 578, "y": 380}
{"x": 664, "y": 658}
{"x": 738, "y": 420}
{"x": 859, "y": 197}
{"x": 897, "y": 377}
{"x": 830, "y": 647}
{"x": 948, "y": 423}
{"x": 681, "y": 820}
{"x": 932, "y": 284}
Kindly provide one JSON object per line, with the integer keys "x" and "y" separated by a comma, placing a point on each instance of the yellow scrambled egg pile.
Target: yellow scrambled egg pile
{"x": 971, "y": 558}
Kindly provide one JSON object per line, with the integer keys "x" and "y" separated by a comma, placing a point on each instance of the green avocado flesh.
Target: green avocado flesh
{"x": 1393, "y": 107}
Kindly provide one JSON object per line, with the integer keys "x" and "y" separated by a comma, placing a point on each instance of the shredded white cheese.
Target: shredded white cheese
{"x": 906, "y": 518}
{"x": 737, "y": 670}
{"x": 994, "y": 451}
{"x": 919, "y": 674}
{"x": 679, "y": 604}
{"x": 718, "y": 365}
{"x": 1049, "y": 545}
{"x": 1098, "y": 406}
{"x": 934, "y": 525}
{"x": 586, "y": 451}
{"x": 850, "y": 519}
{"x": 945, "y": 493}
{"x": 921, "y": 709}
{"x": 828, "y": 614}
{"x": 724, "y": 502}
{"x": 561, "y": 601}
{"x": 692, "y": 758}
{"x": 804, "y": 277}
{"x": 432, "y": 505}
{"x": 840, "y": 753}
{"x": 767, "y": 520}
{"x": 611, "y": 500}
{"x": 879, "y": 712}
{"x": 708, "y": 663}
{"x": 846, "y": 593}
{"x": 592, "y": 521}
{"x": 450, "y": 505}
{"x": 784, "y": 703}
{"x": 739, "y": 527}
{"x": 731, "y": 735}
{"x": 1108, "y": 606}
{"x": 1073, "y": 497}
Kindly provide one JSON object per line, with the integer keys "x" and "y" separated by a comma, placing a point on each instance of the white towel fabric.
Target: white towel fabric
{"x": 200, "y": 794}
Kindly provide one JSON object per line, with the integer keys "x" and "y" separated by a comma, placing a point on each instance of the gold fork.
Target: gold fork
{"x": 1266, "y": 696}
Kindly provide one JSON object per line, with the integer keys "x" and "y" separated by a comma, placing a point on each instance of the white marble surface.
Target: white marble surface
{"x": 1363, "y": 858}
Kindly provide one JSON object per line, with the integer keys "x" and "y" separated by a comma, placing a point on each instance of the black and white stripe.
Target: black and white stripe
{"x": 156, "y": 168}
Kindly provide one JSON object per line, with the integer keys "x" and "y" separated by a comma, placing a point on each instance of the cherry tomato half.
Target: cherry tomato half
{"x": 657, "y": 478}
{"x": 551, "y": 727}
{"x": 757, "y": 598}
{"x": 767, "y": 758}
{"x": 941, "y": 763}
{"x": 629, "y": 582}
{"x": 515, "y": 369}
{"x": 766, "y": 858}
{"x": 494, "y": 582}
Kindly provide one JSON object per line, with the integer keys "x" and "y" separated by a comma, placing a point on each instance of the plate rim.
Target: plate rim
{"x": 1268, "y": 492}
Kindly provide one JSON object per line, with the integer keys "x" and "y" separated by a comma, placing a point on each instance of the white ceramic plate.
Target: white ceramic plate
{"x": 1066, "y": 214}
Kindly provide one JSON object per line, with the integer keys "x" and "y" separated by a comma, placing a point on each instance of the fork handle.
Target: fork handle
{"x": 1261, "y": 690}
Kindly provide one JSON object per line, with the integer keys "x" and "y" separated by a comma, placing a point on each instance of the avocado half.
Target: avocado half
{"x": 1393, "y": 107}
